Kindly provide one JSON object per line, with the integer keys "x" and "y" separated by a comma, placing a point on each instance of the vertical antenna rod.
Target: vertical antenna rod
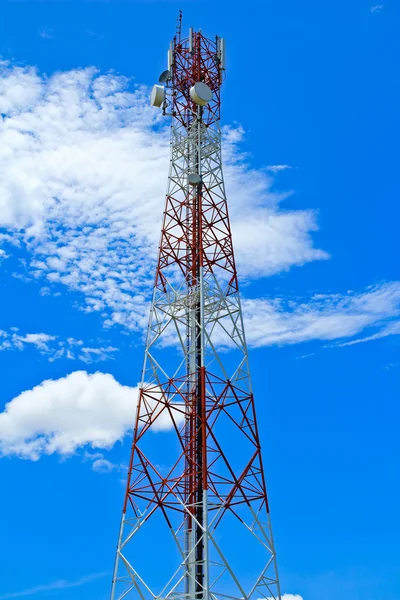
{"x": 179, "y": 27}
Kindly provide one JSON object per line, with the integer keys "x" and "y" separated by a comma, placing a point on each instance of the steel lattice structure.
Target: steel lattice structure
{"x": 196, "y": 492}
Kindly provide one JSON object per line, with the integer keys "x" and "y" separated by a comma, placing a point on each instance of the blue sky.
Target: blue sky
{"x": 310, "y": 109}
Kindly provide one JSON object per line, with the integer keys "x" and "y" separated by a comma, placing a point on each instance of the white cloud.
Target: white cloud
{"x": 102, "y": 465}
{"x": 20, "y": 88}
{"x": 323, "y": 317}
{"x": 258, "y": 241}
{"x": 389, "y": 329}
{"x": 11, "y": 339}
{"x": 39, "y": 340}
{"x": 277, "y": 168}
{"x": 90, "y": 355}
{"x": 55, "y": 348}
{"x": 3, "y": 255}
{"x": 62, "y": 415}
{"x": 376, "y": 7}
{"x": 285, "y": 597}
{"x": 84, "y": 163}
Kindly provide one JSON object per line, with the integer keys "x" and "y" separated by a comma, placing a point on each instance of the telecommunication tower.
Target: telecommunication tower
{"x": 196, "y": 520}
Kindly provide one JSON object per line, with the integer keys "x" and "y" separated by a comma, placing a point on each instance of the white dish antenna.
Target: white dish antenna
{"x": 157, "y": 96}
{"x": 201, "y": 93}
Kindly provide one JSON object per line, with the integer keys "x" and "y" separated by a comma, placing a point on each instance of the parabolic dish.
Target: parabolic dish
{"x": 157, "y": 96}
{"x": 201, "y": 93}
{"x": 165, "y": 75}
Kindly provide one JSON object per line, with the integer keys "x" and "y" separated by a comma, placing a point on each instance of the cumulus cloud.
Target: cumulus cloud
{"x": 20, "y": 88}
{"x": 59, "y": 416}
{"x": 323, "y": 317}
{"x": 84, "y": 162}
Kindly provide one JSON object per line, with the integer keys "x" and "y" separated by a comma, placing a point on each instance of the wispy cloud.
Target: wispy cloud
{"x": 3, "y": 255}
{"x": 389, "y": 329}
{"x": 277, "y": 168}
{"x": 376, "y": 7}
{"x": 268, "y": 321}
{"x": 303, "y": 356}
{"x": 324, "y": 317}
{"x": 102, "y": 465}
{"x": 13, "y": 340}
{"x": 54, "y": 348}
{"x": 61, "y": 584}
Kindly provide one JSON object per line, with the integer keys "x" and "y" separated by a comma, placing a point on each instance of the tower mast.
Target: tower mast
{"x": 196, "y": 499}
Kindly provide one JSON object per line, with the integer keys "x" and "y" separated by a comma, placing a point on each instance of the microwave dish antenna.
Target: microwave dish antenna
{"x": 165, "y": 76}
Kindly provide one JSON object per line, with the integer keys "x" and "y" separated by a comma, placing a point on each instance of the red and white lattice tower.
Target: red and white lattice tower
{"x": 196, "y": 522}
